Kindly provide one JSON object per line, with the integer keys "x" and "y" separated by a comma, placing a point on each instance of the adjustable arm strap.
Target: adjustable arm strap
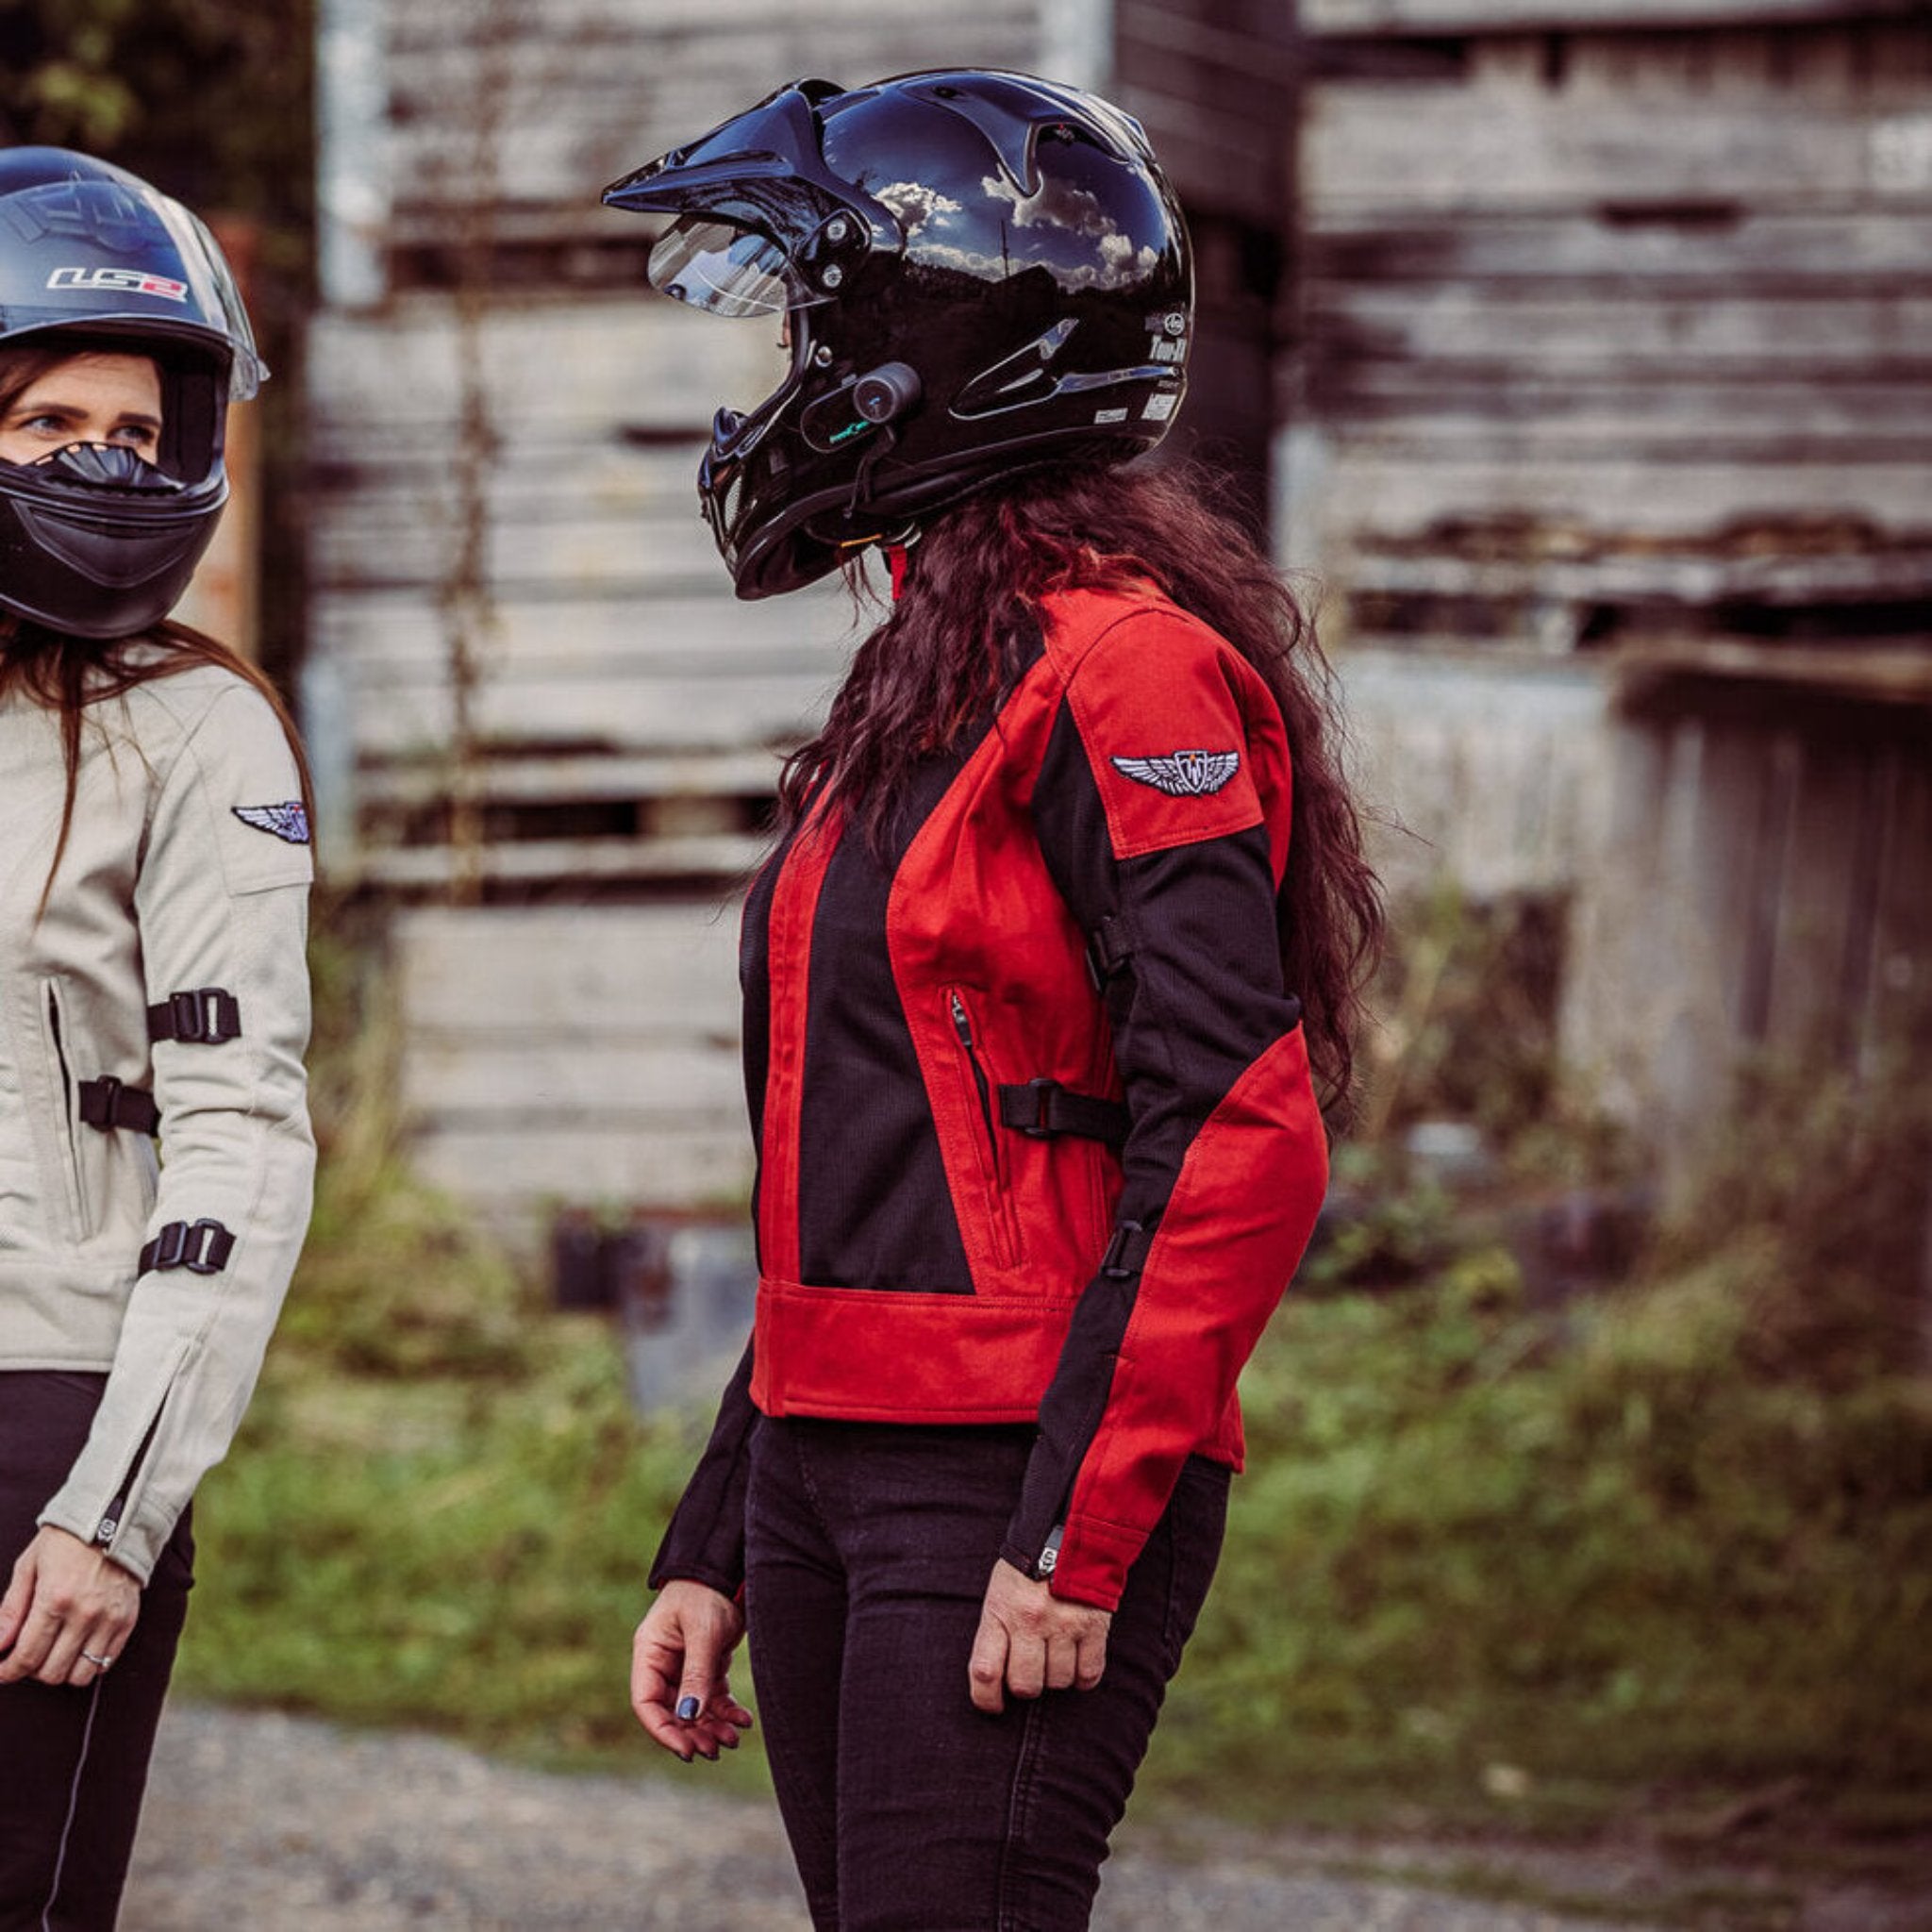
{"x": 107, "y": 1104}
{"x": 202, "y": 1016}
{"x": 202, "y": 1248}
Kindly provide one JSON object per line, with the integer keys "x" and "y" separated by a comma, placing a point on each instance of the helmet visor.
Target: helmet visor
{"x": 116, "y": 258}
{"x": 722, "y": 270}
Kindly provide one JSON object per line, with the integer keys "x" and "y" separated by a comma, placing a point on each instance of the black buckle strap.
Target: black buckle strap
{"x": 1043, "y": 1108}
{"x": 1126, "y": 1254}
{"x": 203, "y": 1016}
{"x": 107, "y": 1104}
{"x": 202, "y": 1248}
{"x": 1110, "y": 945}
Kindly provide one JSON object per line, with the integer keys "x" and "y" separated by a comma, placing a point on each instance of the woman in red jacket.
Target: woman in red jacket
{"x": 1039, "y": 992}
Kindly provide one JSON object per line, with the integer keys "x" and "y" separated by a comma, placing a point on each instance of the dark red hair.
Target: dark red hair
{"x": 931, "y": 672}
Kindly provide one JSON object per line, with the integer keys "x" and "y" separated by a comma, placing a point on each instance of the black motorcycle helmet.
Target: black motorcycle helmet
{"x": 94, "y": 540}
{"x": 981, "y": 271}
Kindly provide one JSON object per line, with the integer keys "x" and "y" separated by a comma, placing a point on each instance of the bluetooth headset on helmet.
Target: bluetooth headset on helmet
{"x": 94, "y": 540}
{"x": 981, "y": 271}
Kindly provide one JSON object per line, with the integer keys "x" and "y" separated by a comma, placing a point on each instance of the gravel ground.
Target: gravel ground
{"x": 262, "y": 1822}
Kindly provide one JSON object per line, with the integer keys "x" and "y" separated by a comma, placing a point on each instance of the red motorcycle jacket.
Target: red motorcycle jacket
{"x": 1036, "y": 1140}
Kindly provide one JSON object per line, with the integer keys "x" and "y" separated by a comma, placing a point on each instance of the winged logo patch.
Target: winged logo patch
{"x": 288, "y": 821}
{"x": 1183, "y": 774}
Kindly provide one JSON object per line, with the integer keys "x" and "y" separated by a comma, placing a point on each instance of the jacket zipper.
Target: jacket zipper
{"x": 128, "y": 1490}
{"x": 999, "y": 1227}
{"x": 109, "y": 1525}
{"x": 962, "y": 1025}
{"x": 76, "y": 1192}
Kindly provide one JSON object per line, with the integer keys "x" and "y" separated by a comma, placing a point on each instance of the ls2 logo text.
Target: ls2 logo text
{"x": 132, "y": 281}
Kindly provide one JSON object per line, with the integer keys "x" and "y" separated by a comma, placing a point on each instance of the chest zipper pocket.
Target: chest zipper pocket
{"x": 1002, "y": 1230}
{"x": 67, "y": 1132}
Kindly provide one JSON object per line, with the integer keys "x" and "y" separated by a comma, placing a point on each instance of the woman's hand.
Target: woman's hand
{"x": 1031, "y": 1640}
{"x": 677, "y": 1661}
{"x": 67, "y": 1608}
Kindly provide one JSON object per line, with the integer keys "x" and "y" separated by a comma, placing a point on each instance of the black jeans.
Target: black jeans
{"x": 868, "y": 1551}
{"x": 74, "y": 1762}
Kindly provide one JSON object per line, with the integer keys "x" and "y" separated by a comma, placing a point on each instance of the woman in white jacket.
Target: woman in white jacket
{"x": 154, "y": 872}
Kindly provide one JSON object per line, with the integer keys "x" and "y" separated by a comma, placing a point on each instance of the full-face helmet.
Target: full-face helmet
{"x": 94, "y": 538}
{"x": 979, "y": 271}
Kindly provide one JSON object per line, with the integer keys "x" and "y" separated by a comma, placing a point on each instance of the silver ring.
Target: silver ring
{"x": 100, "y": 1664}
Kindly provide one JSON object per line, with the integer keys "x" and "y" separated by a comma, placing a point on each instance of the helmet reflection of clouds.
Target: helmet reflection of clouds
{"x": 1059, "y": 211}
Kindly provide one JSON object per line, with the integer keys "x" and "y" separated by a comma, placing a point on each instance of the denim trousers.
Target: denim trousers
{"x": 868, "y": 1550}
{"x": 74, "y": 1762}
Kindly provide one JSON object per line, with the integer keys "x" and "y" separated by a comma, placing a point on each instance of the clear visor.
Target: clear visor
{"x": 724, "y": 270}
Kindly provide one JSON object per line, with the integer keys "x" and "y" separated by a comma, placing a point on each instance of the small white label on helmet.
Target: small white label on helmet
{"x": 1165, "y": 349}
{"x": 132, "y": 281}
{"x": 1109, "y": 415}
{"x": 1160, "y": 408}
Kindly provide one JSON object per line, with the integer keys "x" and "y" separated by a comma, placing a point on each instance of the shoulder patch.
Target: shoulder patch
{"x": 288, "y": 821}
{"x": 1183, "y": 774}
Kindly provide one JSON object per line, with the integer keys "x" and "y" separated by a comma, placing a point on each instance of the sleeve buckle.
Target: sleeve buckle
{"x": 205, "y": 1016}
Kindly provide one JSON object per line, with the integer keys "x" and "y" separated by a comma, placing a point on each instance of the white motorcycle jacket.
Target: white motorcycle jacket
{"x": 157, "y": 998}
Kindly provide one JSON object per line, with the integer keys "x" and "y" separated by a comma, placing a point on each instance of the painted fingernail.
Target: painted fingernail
{"x": 687, "y": 1709}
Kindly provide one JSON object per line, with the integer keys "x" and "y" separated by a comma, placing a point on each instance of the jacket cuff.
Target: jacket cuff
{"x": 1093, "y": 1562}
{"x": 719, "y": 1580}
{"x": 136, "y": 1543}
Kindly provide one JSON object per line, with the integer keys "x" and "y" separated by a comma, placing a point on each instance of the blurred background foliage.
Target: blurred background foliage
{"x": 213, "y": 102}
{"x": 211, "y": 99}
{"x": 1508, "y": 1553}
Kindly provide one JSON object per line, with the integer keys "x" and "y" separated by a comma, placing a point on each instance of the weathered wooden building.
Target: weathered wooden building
{"x": 1577, "y": 347}
{"x": 1607, "y": 416}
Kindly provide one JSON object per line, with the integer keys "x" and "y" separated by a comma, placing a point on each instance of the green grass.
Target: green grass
{"x": 1493, "y": 1567}
{"x": 1478, "y": 1565}
{"x": 1509, "y": 1571}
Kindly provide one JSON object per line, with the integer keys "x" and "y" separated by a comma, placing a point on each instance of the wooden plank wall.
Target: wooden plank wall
{"x": 1213, "y": 81}
{"x": 1610, "y": 362}
{"x": 1762, "y": 888}
{"x": 1596, "y": 330}
{"x": 582, "y": 1055}
{"x": 1565, "y": 16}
{"x": 612, "y": 664}
{"x": 571, "y": 93}
{"x": 505, "y": 449}
{"x": 1337, "y": 17}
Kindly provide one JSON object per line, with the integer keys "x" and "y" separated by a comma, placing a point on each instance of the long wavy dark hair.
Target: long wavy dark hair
{"x": 954, "y": 641}
{"x": 68, "y": 673}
